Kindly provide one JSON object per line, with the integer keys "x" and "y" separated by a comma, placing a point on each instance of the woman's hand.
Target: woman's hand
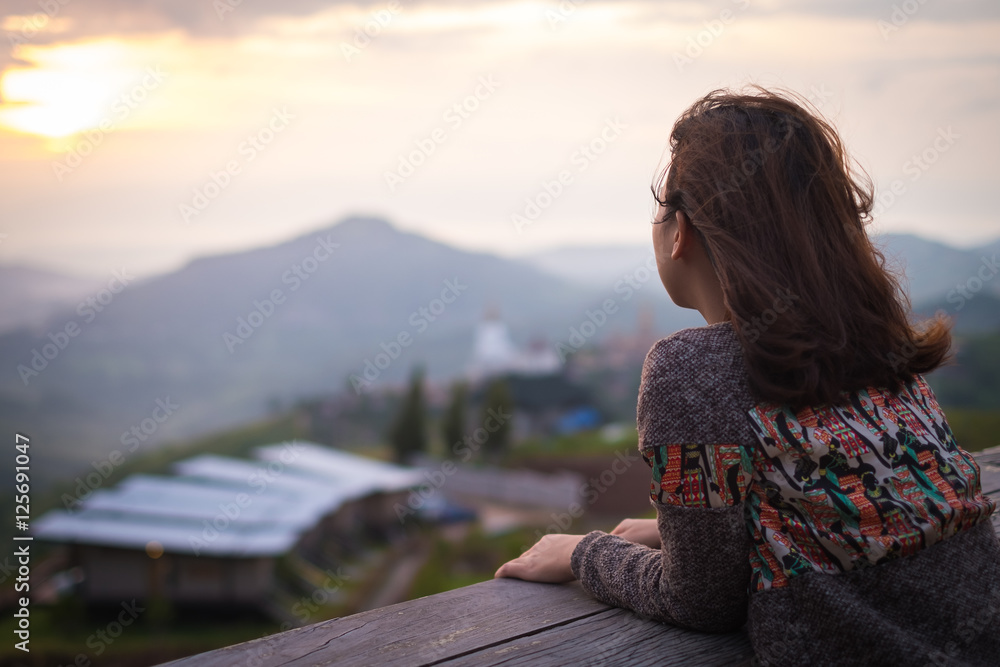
{"x": 547, "y": 561}
{"x": 640, "y": 531}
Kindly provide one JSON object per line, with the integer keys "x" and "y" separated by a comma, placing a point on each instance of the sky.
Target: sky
{"x": 142, "y": 134}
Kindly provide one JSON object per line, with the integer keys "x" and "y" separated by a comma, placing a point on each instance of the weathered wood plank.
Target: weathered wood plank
{"x": 615, "y": 637}
{"x": 989, "y": 455}
{"x": 989, "y": 478}
{"x": 418, "y": 632}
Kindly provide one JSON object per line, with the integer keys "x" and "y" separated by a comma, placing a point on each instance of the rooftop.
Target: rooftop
{"x": 226, "y": 507}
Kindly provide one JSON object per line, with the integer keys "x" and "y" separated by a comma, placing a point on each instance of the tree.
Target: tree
{"x": 453, "y": 420}
{"x": 498, "y": 401}
{"x": 408, "y": 434}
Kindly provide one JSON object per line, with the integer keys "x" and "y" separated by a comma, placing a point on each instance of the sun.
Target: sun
{"x": 66, "y": 89}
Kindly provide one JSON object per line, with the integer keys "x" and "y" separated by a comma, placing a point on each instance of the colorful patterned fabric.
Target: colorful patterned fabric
{"x": 877, "y": 477}
{"x": 699, "y": 475}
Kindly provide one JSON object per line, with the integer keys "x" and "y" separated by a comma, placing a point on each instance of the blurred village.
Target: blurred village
{"x": 341, "y": 503}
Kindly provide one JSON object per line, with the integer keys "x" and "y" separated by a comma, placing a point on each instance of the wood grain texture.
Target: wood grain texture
{"x": 615, "y": 637}
{"x": 418, "y": 632}
{"x": 989, "y": 469}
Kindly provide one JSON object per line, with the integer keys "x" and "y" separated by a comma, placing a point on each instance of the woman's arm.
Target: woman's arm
{"x": 691, "y": 419}
{"x": 697, "y": 579}
{"x": 640, "y": 531}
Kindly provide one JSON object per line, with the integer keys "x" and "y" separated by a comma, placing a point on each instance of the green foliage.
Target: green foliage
{"x": 973, "y": 381}
{"x": 469, "y": 560}
{"x": 975, "y": 430}
{"x": 453, "y": 420}
{"x": 576, "y": 444}
{"x": 498, "y": 400}
{"x": 408, "y": 434}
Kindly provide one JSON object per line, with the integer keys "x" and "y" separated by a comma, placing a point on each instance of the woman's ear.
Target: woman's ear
{"x": 682, "y": 236}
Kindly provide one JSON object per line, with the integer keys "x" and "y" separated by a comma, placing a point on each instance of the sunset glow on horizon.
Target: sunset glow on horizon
{"x": 114, "y": 118}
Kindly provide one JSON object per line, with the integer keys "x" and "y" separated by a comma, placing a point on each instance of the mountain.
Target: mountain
{"x": 215, "y": 343}
{"x": 210, "y": 345}
{"x": 934, "y": 270}
{"x": 29, "y": 297}
{"x": 594, "y": 266}
{"x": 933, "y": 274}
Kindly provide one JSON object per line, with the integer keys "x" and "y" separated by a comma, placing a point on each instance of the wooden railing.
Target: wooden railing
{"x": 505, "y": 622}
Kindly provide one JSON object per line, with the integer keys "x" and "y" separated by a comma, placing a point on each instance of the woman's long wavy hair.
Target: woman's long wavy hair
{"x": 781, "y": 211}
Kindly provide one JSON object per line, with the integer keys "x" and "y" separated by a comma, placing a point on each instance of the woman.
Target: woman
{"x": 805, "y": 479}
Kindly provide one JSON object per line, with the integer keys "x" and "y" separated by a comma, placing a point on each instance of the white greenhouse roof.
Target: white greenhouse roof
{"x": 224, "y": 506}
{"x": 137, "y": 531}
{"x": 255, "y": 477}
{"x": 199, "y": 499}
{"x": 341, "y": 467}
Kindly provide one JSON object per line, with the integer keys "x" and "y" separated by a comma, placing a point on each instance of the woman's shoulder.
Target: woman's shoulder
{"x": 695, "y": 387}
{"x": 695, "y": 350}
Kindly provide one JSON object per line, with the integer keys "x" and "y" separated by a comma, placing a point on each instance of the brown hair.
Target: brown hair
{"x": 781, "y": 211}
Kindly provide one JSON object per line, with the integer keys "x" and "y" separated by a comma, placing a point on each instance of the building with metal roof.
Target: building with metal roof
{"x": 212, "y": 531}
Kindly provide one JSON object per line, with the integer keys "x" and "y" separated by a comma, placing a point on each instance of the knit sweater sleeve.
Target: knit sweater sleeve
{"x": 693, "y": 434}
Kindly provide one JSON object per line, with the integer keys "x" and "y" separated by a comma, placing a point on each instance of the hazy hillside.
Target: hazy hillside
{"x": 595, "y": 266}
{"x": 29, "y": 297}
{"x": 931, "y": 269}
{"x": 934, "y": 270}
{"x": 179, "y": 336}
{"x": 212, "y": 340}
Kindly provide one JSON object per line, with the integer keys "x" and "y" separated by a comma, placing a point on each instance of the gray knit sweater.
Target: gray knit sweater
{"x": 817, "y": 582}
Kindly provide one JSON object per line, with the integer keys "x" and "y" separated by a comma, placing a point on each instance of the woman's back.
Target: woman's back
{"x": 804, "y": 478}
{"x": 824, "y": 495}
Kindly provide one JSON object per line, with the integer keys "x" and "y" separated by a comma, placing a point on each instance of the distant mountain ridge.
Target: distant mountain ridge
{"x": 226, "y": 335}
{"x": 307, "y": 313}
{"x": 30, "y": 297}
{"x": 935, "y": 274}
